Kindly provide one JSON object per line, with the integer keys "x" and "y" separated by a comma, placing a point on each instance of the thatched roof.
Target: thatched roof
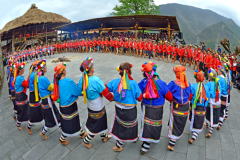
{"x": 34, "y": 16}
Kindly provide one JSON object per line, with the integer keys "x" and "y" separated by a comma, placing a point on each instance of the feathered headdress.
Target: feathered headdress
{"x": 125, "y": 71}
{"x": 151, "y": 90}
{"x": 57, "y": 75}
{"x": 85, "y": 67}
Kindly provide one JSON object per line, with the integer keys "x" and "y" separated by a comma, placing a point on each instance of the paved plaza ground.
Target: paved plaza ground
{"x": 18, "y": 145}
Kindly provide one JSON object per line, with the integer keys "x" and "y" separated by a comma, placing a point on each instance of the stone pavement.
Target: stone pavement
{"x": 17, "y": 145}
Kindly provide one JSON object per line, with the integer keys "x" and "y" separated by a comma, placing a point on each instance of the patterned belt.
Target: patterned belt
{"x": 19, "y": 92}
{"x": 215, "y": 106}
{"x": 70, "y": 116}
{"x": 21, "y": 102}
{"x": 45, "y": 106}
{"x": 199, "y": 113}
{"x": 126, "y": 124}
{"x": 155, "y": 123}
{"x": 180, "y": 113}
{"x": 34, "y": 104}
{"x": 97, "y": 115}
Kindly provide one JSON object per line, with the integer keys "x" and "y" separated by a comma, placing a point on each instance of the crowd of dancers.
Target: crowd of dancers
{"x": 194, "y": 56}
{"x": 204, "y": 103}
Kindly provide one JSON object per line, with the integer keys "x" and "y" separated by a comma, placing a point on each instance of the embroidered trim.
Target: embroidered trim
{"x": 45, "y": 106}
{"x": 69, "y": 117}
{"x": 34, "y": 104}
{"x": 127, "y": 124}
{"x": 45, "y": 97}
{"x": 19, "y": 92}
{"x": 213, "y": 106}
{"x": 181, "y": 113}
{"x": 132, "y": 105}
{"x": 21, "y": 102}
{"x": 155, "y": 123}
{"x": 199, "y": 113}
{"x": 97, "y": 115}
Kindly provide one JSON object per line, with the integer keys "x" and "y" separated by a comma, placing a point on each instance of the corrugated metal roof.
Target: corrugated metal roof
{"x": 143, "y": 21}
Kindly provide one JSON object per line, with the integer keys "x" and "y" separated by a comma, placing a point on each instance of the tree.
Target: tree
{"x": 135, "y": 7}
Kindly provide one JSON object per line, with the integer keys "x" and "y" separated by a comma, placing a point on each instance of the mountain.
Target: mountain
{"x": 202, "y": 25}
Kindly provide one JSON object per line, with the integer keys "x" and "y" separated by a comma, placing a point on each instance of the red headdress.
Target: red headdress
{"x": 57, "y": 75}
{"x": 151, "y": 90}
{"x": 181, "y": 77}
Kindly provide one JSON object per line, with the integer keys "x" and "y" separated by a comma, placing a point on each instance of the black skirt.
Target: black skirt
{"x": 125, "y": 127}
{"x": 96, "y": 122}
{"x": 35, "y": 110}
{"x": 197, "y": 118}
{"x": 178, "y": 119}
{"x": 50, "y": 115}
{"x": 13, "y": 98}
{"x": 70, "y": 123}
{"x": 213, "y": 114}
{"x": 151, "y": 125}
{"x": 22, "y": 107}
{"x": 224, "y": 101}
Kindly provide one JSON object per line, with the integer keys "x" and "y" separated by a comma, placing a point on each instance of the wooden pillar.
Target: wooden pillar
{"x": 0, "y": 43}
{"x": 169, "y": 31}
{"x": 13, "y": 42}
{"x": 46, "y": 35}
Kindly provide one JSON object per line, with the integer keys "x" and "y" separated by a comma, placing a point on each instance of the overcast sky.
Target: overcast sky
{"x": 77, "y": 10}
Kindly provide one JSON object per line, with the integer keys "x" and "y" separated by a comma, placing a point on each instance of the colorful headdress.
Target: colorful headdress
{"x": 199, "y": 75}
{"x": 34, "y": 66}
{"x": 125, "y": 71}
{"x": 181, "y": 77}
{"x": 151, "y": 90}
{"x": 21, "y": 66}
{"x": 213, "y": 75}
{"x": 200, "y": 94}
{"x": 40, "y": 66}
{"x": 85, "y": 67}
{"x": 57, "y": 75}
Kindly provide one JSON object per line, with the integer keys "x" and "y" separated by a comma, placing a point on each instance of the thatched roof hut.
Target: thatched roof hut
{"x": 34, "y": 16}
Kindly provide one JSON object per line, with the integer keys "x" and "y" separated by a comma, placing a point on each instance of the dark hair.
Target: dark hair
{"x": 145, "y": 76}
{"x": 125, "y": 66}
{"x": 82, "y": 69}
{"x": 59, "y": 76}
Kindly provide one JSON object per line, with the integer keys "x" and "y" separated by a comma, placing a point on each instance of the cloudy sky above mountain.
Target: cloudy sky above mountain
{"x": 84, "y": 9}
